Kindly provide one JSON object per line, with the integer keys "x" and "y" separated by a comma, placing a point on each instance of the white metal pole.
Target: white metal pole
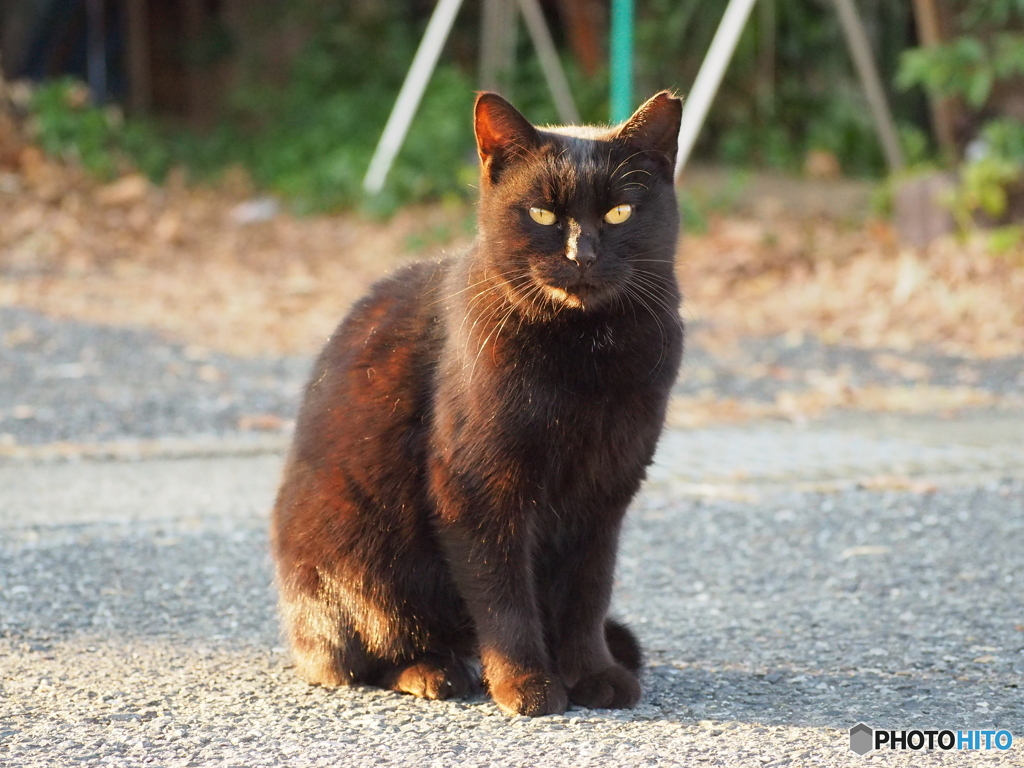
{"x": 698, "y": 101}
{"x": 412, "y": 91}
{"x": 550, "y": 64}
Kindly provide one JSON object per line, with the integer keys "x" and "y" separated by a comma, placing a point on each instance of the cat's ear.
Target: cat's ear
{"x": 654, "y": 127}
{"x": 503, "y": 135}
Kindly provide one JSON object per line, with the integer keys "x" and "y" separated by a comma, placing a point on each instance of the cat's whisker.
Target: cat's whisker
{"x": 497, "y": 333}
{"x": 645, "y": 287}
{"x": 655, "y": 281}
{"x": 661, "y": 328}
{"x": 635, "y": 170}
{"x": 451, "y": 296}
{"x": 495, "y": 301}
{"x": 485, "y": 343}
{"x": 645, "y": 291}
{"x": 619, "y": 166}
{"x": 495, "y": 287}
{"x": 491, "y": 310}
{"x": 657, "y": 290}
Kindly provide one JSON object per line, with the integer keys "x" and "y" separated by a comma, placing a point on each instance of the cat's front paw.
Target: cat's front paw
{"x": 612, "y": 688}
{"x": 532, "y": 695}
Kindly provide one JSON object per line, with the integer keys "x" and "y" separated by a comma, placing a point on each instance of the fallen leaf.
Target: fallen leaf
{"x": 863, "y": 551}
{"x": 125, "y": 191}
{"x": 896, "y": 483}
{"x": 261, "y": 422}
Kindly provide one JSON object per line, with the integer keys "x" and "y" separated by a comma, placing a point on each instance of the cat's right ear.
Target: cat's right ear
{"x": 503, "y": 135}
{"x": 654, "y": 127}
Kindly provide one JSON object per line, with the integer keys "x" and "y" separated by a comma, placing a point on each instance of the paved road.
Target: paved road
{"x": 786, "y": 582}
{"x": 84, "y": 384}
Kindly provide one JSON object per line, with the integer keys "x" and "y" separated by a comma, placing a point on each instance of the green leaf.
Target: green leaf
{"x": 980, "y": 88}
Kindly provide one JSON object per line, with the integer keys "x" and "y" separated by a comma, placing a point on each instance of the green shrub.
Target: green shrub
{"x": 988, "y": 52}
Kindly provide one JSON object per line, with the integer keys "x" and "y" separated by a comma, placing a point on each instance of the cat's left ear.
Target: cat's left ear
{"x": 503, "y": 135}
{"x": 655, "y": 126}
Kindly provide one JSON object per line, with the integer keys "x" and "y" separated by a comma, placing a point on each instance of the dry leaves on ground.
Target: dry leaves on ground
{"x": 854, "y": 286}
{"x": 177, "y": 260}
{"x": 184, "y": 261}
{"x": 825, "y": 395}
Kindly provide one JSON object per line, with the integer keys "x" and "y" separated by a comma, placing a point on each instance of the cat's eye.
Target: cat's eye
{"x": 618, "y": 214}
{"x": 543, "y": 216}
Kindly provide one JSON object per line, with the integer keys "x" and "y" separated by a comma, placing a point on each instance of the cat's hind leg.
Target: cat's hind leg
{"x": 325, "y": 648}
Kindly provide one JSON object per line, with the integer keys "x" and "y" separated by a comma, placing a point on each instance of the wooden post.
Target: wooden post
{"x": 422, "y": 68}
{"x": 137, "y": 62}
{"x": 583, "y": 24}
{"x": 709, "y": 77}
{"x": 409, "y": 96}
{"x": 930, "y": 35}
{"x": 766, "y": 19}
{"x": 864, "y": 63}
{"x": 203, "y": 81}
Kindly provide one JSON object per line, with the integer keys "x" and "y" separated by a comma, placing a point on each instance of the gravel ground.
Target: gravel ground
{"x": 760, "y": 369}
{"x": 787, "y": 581}
{"x": 137, "y": 627}
{"x": 74, "y": 382}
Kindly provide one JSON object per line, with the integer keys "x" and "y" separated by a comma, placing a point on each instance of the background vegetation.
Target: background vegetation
{"x": 981, "y": 70}
{"x": 307, "y": 133}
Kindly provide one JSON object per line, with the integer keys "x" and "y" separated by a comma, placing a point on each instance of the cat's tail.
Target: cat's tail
{"x": 623, "y": 645}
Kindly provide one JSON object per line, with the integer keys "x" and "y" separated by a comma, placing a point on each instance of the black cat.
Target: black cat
{"x": 476, "y": 428}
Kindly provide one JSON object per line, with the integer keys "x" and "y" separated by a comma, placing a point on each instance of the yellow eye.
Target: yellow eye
{"x": 618, "y": 214}
{"x": 542, "y": 216}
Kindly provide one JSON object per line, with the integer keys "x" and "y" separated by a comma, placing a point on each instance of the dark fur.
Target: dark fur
{"x": 476, "y": 428}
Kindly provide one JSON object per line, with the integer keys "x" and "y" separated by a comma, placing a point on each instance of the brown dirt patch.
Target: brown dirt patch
{"x": 178, "y": 259}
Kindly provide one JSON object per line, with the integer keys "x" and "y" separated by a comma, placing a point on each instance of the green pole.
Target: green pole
{"x": 621, "y": 60}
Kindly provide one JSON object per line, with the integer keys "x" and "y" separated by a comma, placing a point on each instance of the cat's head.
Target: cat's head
{"x": 578, "y": 217}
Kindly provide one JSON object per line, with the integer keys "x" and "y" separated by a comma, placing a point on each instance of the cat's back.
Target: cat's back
{"x": 374, "y": 374}
{"x": 397, "y": 310}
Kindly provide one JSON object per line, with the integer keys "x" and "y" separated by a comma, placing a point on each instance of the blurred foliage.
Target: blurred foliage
{"x": 965, "y": 66}
{"x": 991, "y": 176}
{"x": 697, "y": 205}
{"x": 987, "y": 55}
{"x": 308, "y": 135}
{"x": 65, "y": 125}
{"x": 308, "y": 138}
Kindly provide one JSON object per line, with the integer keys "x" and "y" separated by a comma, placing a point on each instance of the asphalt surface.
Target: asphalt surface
{"x": 86, "y": 384}
{"x": 786, "y": 581}
{"x": 78, "y": 382}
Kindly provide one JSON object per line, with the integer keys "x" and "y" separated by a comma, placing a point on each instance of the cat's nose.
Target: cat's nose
{"x": 584, "y": 254}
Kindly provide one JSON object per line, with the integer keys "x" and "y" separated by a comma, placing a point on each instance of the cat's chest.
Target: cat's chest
{"x": 571, "y": 385}
{"x": 599, "y": 360}
{"x": 586, "y": 386}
